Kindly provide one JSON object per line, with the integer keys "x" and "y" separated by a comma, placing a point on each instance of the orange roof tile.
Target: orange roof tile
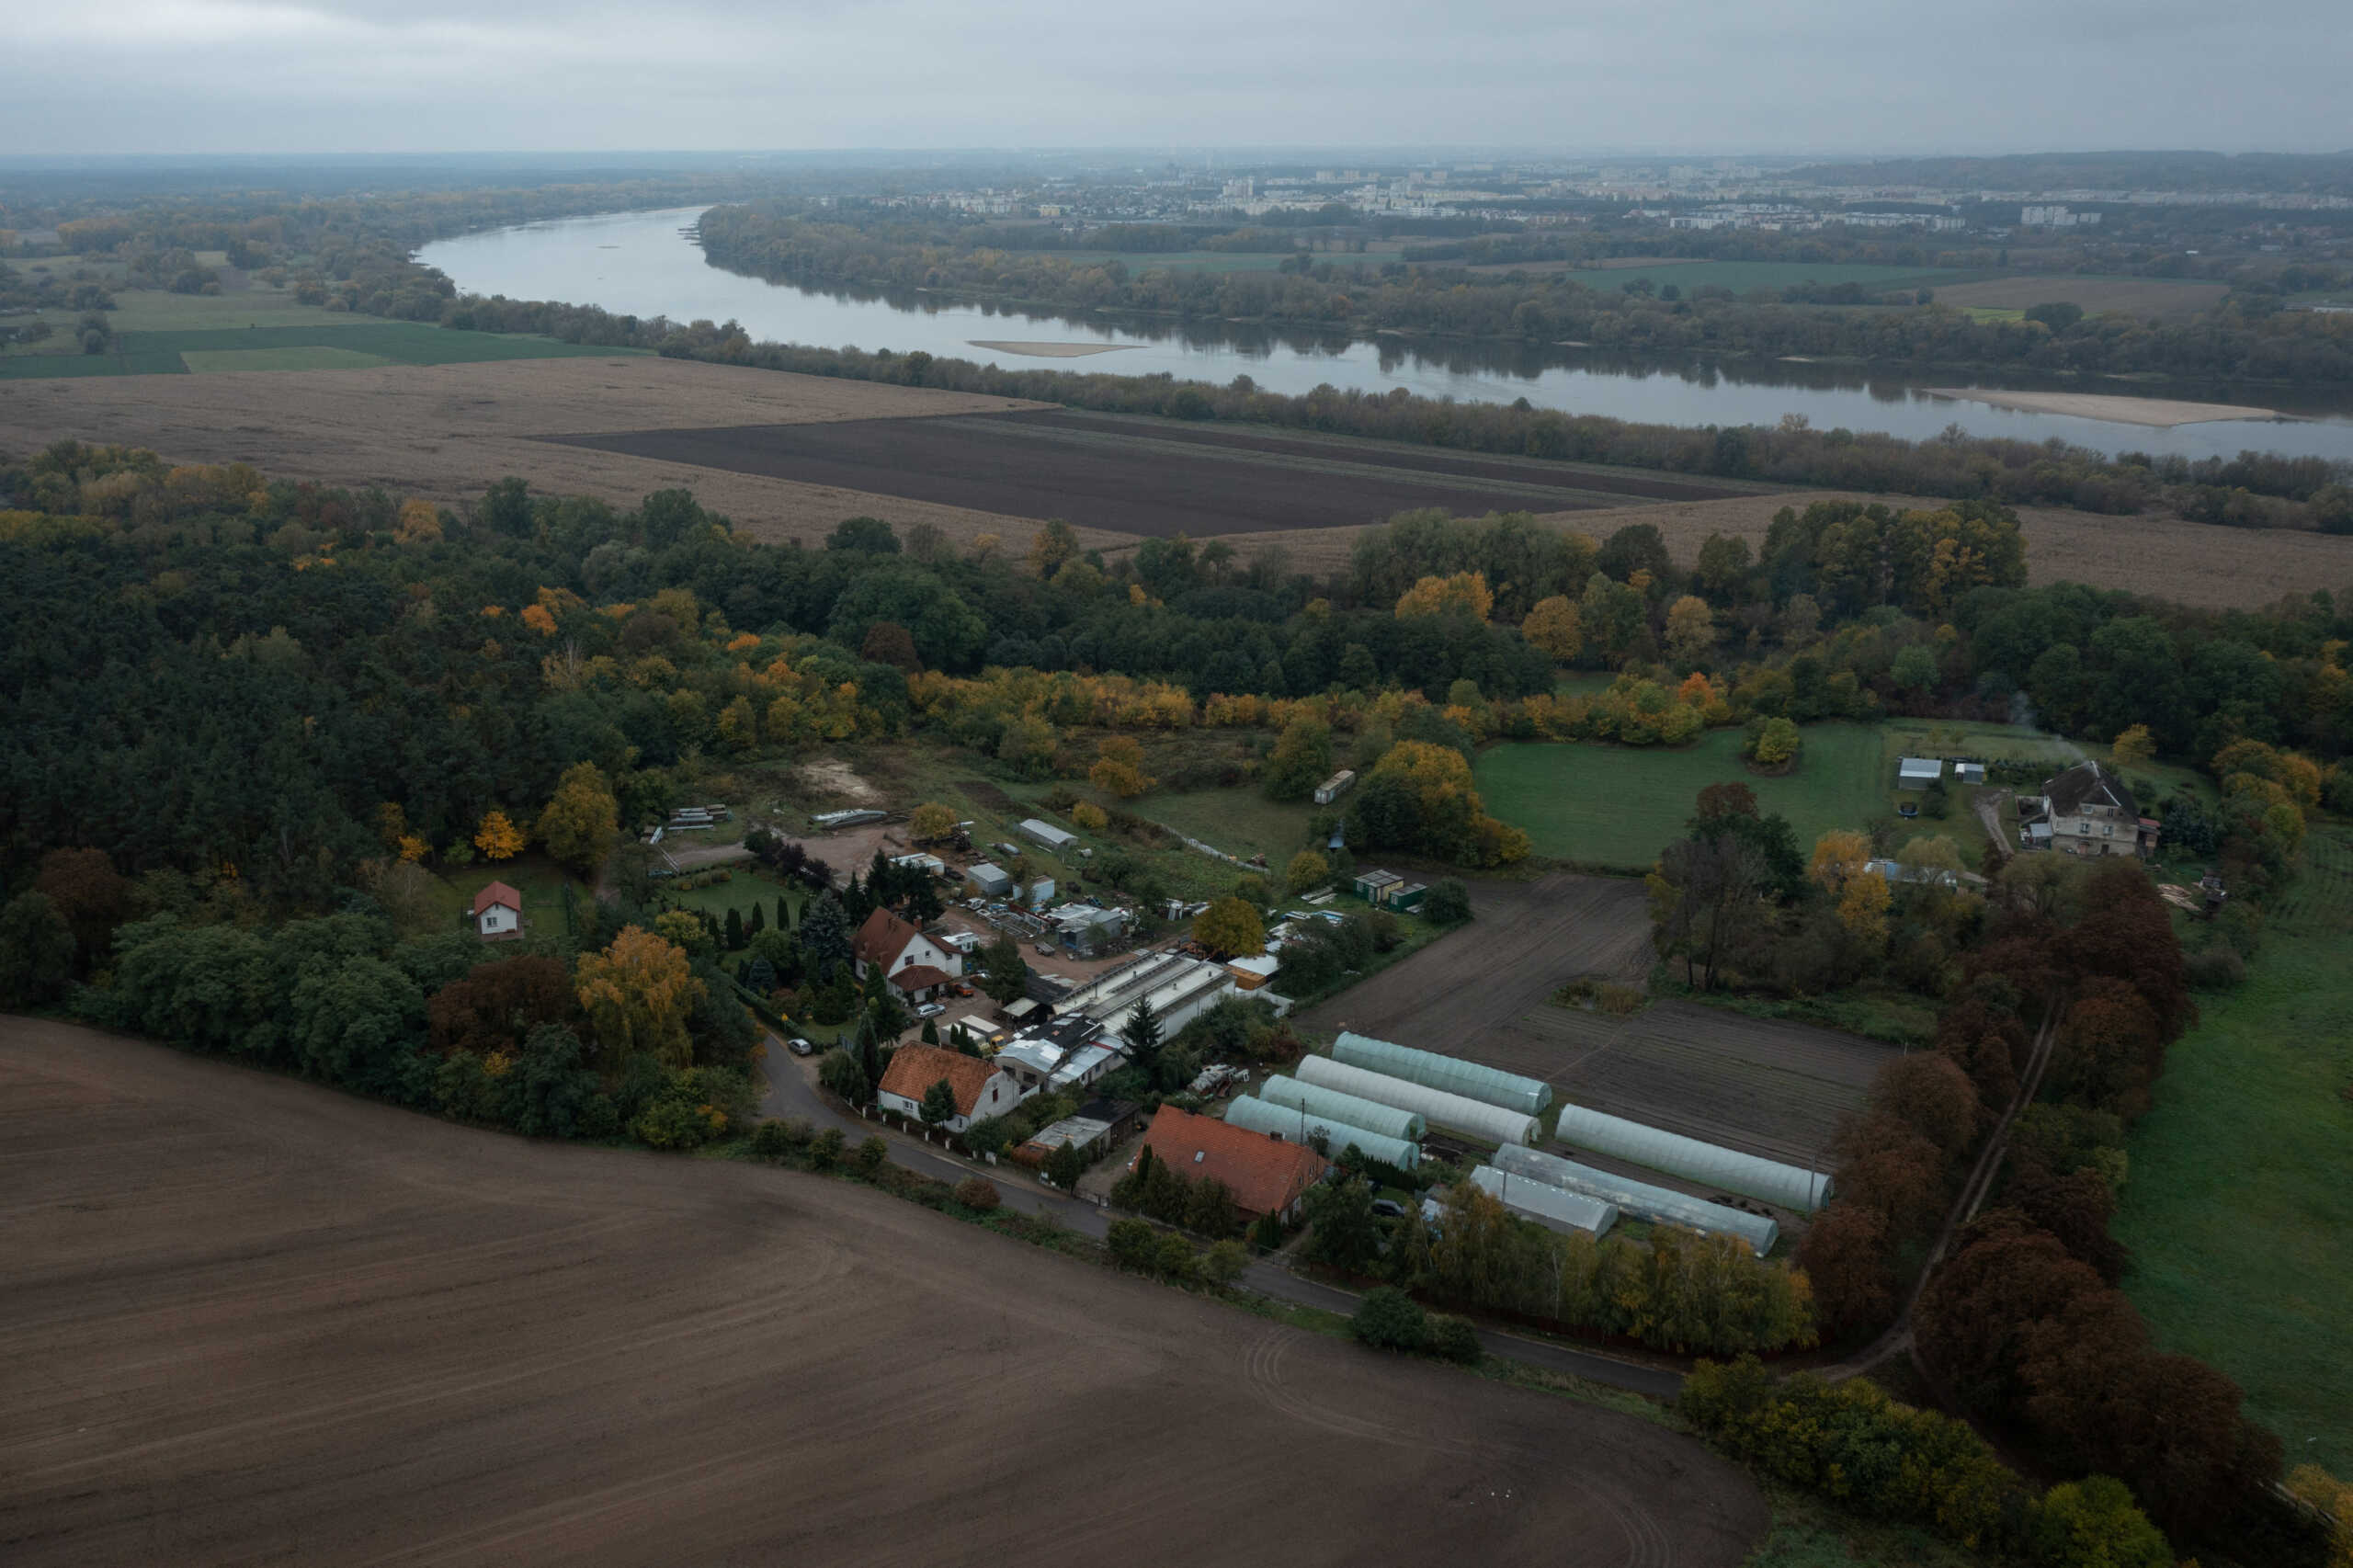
{"x": 915, "y": 1068}
{"x": 499, "y": 892}
{"x": 1265, "y": 1174}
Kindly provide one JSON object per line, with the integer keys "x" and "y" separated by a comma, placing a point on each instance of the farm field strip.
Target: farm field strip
{"x": 392, "y": 1339}
{"x": 1121, "y": 484}
{"x": 1594, "y": 478}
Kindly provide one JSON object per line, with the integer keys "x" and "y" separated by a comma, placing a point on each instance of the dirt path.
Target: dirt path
{"x": 251, "y": 1320}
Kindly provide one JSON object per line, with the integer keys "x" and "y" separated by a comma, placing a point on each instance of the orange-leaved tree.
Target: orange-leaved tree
{"x": 638, "y": 994}
{"x": 497, "y": 838}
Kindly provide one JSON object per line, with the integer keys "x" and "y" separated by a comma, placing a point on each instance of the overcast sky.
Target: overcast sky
{"x": 1571, "y": 76}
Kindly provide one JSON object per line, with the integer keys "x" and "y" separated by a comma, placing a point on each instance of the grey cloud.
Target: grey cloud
{"x": 1799, "y": 76}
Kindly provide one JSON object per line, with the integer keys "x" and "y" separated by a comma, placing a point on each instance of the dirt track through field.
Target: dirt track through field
{"x": 1484, "y": 993}
{"x": 249, "y": 1320}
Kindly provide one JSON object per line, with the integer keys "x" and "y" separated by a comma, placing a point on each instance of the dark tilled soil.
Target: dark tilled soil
{"x": 251, "y": 1321}
{"x": 1587, "y": 479}
{"x": 1484, "y": 993}
{"x": 1127, "y": 477}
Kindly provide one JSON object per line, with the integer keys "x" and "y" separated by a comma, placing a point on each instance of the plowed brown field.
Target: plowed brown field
{"x": 251, "y": 1321}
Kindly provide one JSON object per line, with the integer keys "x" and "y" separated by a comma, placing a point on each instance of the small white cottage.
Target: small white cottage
{"x": 498, "y": 911}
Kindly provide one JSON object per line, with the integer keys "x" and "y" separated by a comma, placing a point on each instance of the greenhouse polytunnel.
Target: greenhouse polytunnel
{"x": 1455, "y": 1077}
{"x": 1640, "y": 1200}
{"x": 1554, "y": 1207}
{"x": 1458, "y": 1112}
{"x": 1769, "y": 1181}
{"x": 1296, "y": 1126}
{"x": 1354, "y": 1109}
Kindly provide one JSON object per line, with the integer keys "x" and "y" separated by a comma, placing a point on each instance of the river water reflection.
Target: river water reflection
{"x": 647, "y": 263}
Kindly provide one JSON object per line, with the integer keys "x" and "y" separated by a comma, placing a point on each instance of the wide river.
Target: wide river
{"x": 648, "y": 264}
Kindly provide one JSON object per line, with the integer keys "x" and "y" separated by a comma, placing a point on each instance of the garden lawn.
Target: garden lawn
{"x": 2238, "y": 1209}
{"x": 1616, "y": 807}
{"x": 539, "y": 879}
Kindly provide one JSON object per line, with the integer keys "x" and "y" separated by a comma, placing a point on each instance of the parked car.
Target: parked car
{"x": 1388, "y": 1208}
{"x": 800, "y": 1047}
{"x": 929, "y": 1010}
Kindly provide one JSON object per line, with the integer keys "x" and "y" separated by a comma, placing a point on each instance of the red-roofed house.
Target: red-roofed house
{"x": 887, "y": 941}
{"x": 1266, "y": 1174}
{"x": 498, "y": 911}
{"x": 980, "y": 1089}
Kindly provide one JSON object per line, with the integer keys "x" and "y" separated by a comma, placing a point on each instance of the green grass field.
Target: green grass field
{"x": 1619, "y": 806}
{"x": 2238, "y": 1209}
{"x": 203, "y": 361}
{"x": 1742, "y": 276}
{"x": 295, "y": 347}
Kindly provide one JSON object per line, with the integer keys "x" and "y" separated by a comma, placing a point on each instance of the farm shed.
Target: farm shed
{"x": 1354, "y": 1109}
{"x": 1332, "y": 789}
{"x": 1048, "y": 834}
{"x": 1459, "y": 1113}
{"x": 1554, "y": 1207}
{"x": 1769, "y": 1181}
{"x": 1640, "y": 1200}
{"x": 1293, "y": 1125}
{"x": 860, "y": 817}
{"x": 1918, "y": 772}
{"x": 1455, "y": 1077}
{"x": 991, "y": 880}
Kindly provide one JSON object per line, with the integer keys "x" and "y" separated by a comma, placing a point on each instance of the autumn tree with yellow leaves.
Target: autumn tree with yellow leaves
{"x": 1231, "y": 928}
{"x": 1554, "y": 626}
{"x": 1464, "y": 593}
{"x": 581, "y": 820}
{"x": 638, "y": 994}
{"x": 498, "y": 838}
{"x": 419, "y": 524}
{"x": 1118, "y": 768}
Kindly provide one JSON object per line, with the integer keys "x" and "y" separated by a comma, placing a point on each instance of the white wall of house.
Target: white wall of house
{"x": 497, "y": 920}
{"x": 997, "y": 1097}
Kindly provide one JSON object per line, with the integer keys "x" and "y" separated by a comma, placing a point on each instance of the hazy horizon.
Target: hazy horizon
{"x": 1834, "y": 79}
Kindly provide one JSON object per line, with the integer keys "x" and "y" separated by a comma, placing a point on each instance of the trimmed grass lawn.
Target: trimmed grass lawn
{"x": 1617, "y": 807}
{"x": 2238, "y": 1209}
{"x": 539, "y": 879}
{"x": 202, "y": 361}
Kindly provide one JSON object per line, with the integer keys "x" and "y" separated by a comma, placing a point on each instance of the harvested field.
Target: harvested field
{"x": 447, "y": 432}
{"x": 1484, "y": 993}
{"x": 2160, "y": 413}
{"x": 1137, "y": 476}
{"x": 2135, "y": 296}
{"x": 1775, "y": 1089}
{"x": 253, "y": 1320}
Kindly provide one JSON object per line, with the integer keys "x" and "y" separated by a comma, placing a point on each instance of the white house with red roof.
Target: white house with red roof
{"x": 498, "y": 911}
{"x": 980, "y": 1089}
{"x": 917, "y": 967}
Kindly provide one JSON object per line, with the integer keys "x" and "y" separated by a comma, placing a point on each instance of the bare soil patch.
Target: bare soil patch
{"x": 1150, "y": 478}
{"x": 249, "y": 1319}
{"x": 834, "y": 777}
{"x": 2135, "y": 296}
{"x": 2162, "y": 413}
{"x": 447, "y": 432}
{"x": 1484, "y": 994}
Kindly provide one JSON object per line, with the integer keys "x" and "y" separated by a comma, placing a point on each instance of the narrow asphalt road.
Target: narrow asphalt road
{"x": 789, "y": 1093}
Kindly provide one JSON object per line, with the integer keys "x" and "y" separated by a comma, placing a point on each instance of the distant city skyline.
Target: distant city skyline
{"x": 1676, "y": 78}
